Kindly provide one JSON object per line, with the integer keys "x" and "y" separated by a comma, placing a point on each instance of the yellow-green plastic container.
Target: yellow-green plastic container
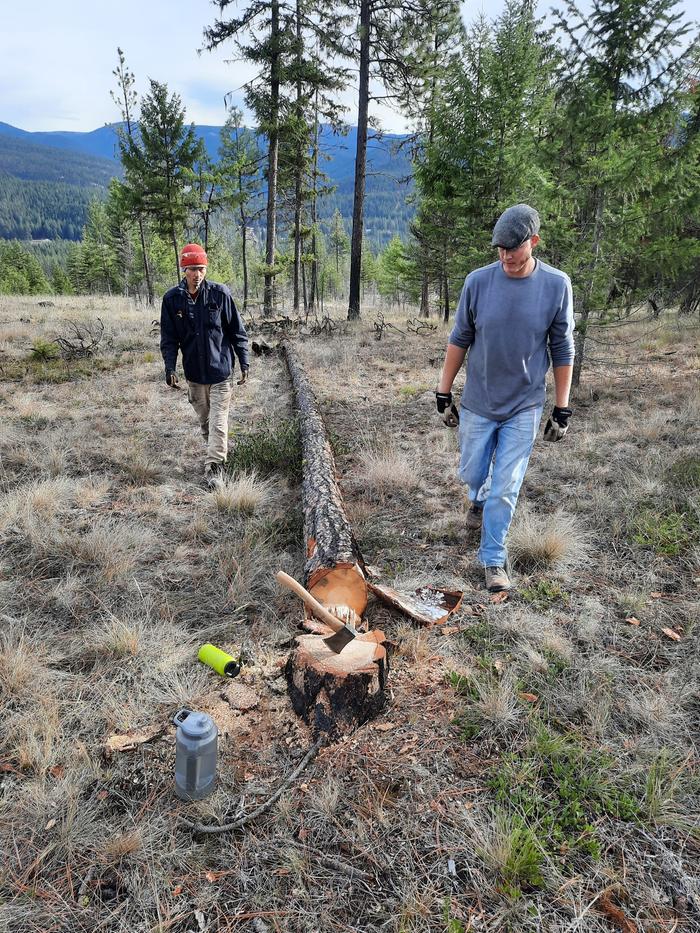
{"x": 225, "y": 664}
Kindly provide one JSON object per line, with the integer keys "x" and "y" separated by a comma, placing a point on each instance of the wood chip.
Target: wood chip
{"x": 631, "y": 620}
{"x": 529, "y": 697}
{"x": 501, "y": 597}
{"x": 671, "y": 633}
{"x": 131, "y": 740}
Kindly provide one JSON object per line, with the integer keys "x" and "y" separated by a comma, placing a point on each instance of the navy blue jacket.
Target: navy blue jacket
{"x": 207, "y": 331}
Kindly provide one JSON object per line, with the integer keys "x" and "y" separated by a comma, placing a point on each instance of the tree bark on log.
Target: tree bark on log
{"x": 334, "y": 693}
{"x": 334, "y": 569}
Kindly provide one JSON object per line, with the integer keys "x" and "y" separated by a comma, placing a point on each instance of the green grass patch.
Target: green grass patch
{"x": 561, "y": 790}
{"x": 274, "y": 447}
{"x": 666, "y": 530}
{"x": 544, "y": 594}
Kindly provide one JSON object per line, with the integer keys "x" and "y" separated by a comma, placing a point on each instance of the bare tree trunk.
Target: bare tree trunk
{"x": 314, "y": 215}
{"x": 244, "y": 257}
{"x": 586, "y": 303}
{"x": 272, "y": 160}
{"x": 360, "y": 165}
{"x": 298, "y": 168}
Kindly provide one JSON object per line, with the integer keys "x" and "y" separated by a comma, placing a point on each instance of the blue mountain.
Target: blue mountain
{"x": 90, "y": 159}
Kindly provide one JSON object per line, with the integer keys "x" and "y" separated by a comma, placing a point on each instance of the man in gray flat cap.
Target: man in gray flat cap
{"x": 513, "y": 316}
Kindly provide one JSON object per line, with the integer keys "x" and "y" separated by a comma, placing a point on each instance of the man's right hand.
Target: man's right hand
{"x": 171, "y": 379}
{"x": 446, "y": 407}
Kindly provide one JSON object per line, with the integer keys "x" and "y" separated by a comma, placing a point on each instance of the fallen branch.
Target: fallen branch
{"x": 249, "y": 817}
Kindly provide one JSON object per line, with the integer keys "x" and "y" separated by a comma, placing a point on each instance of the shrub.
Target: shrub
{"x": 44, "y": 350}
{"x": 273, "y": 447}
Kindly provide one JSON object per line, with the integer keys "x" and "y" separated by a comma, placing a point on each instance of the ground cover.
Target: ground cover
{"x": 537, "y": 765}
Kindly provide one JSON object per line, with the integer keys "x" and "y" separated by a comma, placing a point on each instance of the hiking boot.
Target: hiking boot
{"x": 497, "y": 579}
{"x": 213, "y": 474}
{"x": 474, "y": 517}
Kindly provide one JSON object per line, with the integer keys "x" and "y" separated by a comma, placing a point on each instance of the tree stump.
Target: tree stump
{"x": 332, "y": 692}
{"x": 335, "y": 693}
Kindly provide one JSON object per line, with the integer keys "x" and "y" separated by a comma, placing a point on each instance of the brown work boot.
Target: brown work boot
{"x": 497, "y": 579}
{"x": 474, "y": 517}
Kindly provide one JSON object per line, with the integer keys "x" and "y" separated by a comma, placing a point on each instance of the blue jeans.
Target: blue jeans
{"x": 494, "y": 457}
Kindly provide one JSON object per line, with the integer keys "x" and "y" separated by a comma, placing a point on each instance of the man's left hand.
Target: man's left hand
{"x": 557, "y": 424}
{"x": 447, "y": 408}
{"x": 244, "y": 376}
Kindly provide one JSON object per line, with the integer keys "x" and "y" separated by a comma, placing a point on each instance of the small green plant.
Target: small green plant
{"x": 544, "y": 593}
{"x": 273, "y": 447}
{"x": 562, "y": 790}
{"x": 149, "y": 356}
{"x": 410, "y": 391}
{"x": 668, "y": 531}
{"x": 512, "y": 848}
{"x": 44, "y": 350}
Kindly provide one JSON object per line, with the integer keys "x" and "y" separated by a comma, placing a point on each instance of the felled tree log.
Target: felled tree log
{"x": 334, "y": 693}
{"x": 334, "y": 569}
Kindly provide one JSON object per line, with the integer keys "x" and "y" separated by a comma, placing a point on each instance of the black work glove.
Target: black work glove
{"x": 557, "y": 424}
{"x": 171, "y": 379}
{"x": 446, "y": 408}
{"x": 244, "y": 375}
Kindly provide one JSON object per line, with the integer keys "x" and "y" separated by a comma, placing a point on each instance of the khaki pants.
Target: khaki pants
{"x": 211, "y": 402}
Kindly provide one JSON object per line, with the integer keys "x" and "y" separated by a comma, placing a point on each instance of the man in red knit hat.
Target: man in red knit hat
{"x": 200, "y": 319}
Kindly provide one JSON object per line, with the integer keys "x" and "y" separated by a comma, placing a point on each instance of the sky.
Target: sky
{"x": 57, "y": 60}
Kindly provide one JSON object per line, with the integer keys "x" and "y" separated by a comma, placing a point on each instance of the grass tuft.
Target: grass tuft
{"x": 547, "y": 541}
{"x": 386, "y": 471}
{"x": 244, "y": 493}
{"x": 274, "y": 447}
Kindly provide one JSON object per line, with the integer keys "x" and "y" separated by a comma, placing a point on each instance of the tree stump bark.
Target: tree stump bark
{"x": 332, "y": 692}
{"x": 335, "y": 693}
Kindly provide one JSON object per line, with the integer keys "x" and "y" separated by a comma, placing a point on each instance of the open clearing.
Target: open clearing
{"x": 537, "y": 766}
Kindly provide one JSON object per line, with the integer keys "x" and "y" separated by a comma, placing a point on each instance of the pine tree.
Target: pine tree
{"x": 263, "y": 34}
{"x": 616, "y": 109}
{"x": 158, "y": 164}
{"x": 126, "y": 100}
{"x": 239, "y": 166}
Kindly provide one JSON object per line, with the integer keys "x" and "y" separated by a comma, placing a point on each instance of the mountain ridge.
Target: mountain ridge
{"x": 36, "y": 160}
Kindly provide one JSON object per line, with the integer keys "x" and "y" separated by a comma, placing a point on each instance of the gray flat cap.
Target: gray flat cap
{"x": 515, "y": 225}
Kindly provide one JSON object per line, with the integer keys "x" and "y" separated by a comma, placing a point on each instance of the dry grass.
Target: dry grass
{"x": 245, "y": 493}
{"x": 384, "y": 471}
{"x": 554, "y": 540}
{"x": 116, "y": 564}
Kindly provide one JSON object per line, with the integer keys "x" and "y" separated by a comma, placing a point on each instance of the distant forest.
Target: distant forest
{"x": 45, "y": 190}
{"x": 593, "y": 117}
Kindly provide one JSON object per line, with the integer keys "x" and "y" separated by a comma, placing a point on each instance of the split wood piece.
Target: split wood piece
{"x": 427, "y": 605}
{"x": 131, "y": 740}
{"x": 334, "y": 570}
{"x": 335, "y": 693}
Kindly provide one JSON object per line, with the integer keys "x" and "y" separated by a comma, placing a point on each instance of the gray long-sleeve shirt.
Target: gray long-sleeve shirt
{"x": 510, "y": 326}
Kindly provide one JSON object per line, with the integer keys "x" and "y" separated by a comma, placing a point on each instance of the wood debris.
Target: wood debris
{"x": 128, "y": 741}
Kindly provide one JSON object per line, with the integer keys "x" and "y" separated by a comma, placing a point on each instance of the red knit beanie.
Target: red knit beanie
{"x": 193, "y": 255}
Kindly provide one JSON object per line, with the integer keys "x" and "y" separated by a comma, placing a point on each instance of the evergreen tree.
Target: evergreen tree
{"x": 159, "y": 162}
{"x": 338, "y": 239}
{"x": 239, "y": 167}
{"x": 617, "y": 110}
{"x": 126, "y": 100}
{"x": 263, "y": 34}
